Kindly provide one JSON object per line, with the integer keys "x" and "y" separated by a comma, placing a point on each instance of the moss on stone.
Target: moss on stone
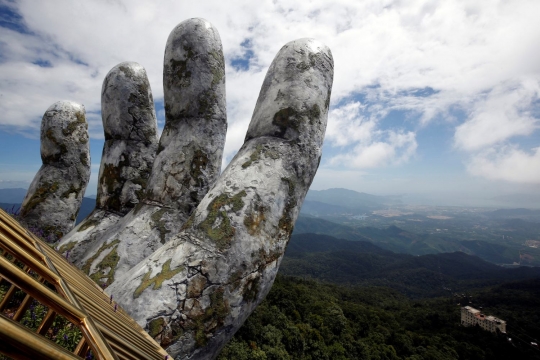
{"x": 40, "y": 195}
{"x": 213, "y": 317}
{"x": 88, "y": 264}
{"x": 218, "y": 71}
{"x": 223, "y": 233}
{"x": 72, "y": 126}
{"x": 165, "y": 274}
{"x": 110, "y": 261}
{"x": 155, "y": 327}
{"x": 88, "y": 223}
{"x": 72, "y": 189}
{"x": 67, "y": 247}
{"x": 160, "y": 224}
{"x": 257, "y": 155}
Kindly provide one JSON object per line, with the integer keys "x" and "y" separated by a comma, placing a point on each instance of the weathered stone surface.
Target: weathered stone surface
{"x": 202, "y": 285}
{"x": 130, "y": 125}
{"x": 191, "y": 146}
{"x": 55, "y": 195}
{"x": 188, "y": 161}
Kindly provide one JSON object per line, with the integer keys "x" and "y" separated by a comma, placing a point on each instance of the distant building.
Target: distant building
{"x": 471, "y": 316}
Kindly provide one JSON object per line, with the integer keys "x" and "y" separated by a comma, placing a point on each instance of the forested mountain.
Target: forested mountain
{"x": 393, "y": 306}
{"x": 304, "y": 319}
{"x": 339, "y": 261}
{"x": 399, "y": 240}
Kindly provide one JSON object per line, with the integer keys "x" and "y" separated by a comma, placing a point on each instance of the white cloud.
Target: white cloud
{"x": 505, "y": 113}
{"x": 508, "y": 164}
{"x": 387, "y": 49}
{"x": 356, "y": 127}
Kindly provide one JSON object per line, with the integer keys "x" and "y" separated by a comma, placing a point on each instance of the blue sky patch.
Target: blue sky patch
{"x": 42, "y": 63}
{"x": 242, "y": 63}
{"x": 12, "y": 20}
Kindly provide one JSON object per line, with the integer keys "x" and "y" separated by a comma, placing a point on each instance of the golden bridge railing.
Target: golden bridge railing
{"x": 33, "y": 267}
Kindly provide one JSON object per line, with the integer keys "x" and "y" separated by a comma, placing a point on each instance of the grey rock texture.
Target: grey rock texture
{"x": 55, "y": 195}
{"x": 187, "y": 163}
{"x": 130, "y": 127}
{"x": 194, "y": 292}
{"x": 191, "y": 146}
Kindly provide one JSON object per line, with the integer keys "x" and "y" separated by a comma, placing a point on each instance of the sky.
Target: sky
{"x": 431, "y": 100}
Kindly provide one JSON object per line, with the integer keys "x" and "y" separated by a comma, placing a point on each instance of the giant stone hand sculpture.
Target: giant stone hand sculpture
{"x": 198, "y": 252}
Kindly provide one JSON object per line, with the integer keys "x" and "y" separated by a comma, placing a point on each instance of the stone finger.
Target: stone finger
{"x": 55, "y": 194}
{"x": 130, "y": 127}
{"x": 191, "y": 145}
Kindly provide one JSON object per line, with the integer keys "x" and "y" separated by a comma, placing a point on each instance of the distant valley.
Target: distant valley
{"x": 509, "y": 237}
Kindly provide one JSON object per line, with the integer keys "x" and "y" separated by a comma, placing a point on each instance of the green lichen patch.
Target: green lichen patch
{"x": 218, "y": 70}
{"x": 72, "y": 126}
{"x": 67, "y": 247}
{"x": 160, "y": 224}
{"x": 86, "y": 267}
{"x": 155, "y": 327}
{"x": 87, "y": 224}
{"x": 72, "y": 190}
{"x": 222, "y": 233}
{"x": 213, "y": 317}
{"x": 251, "y": 289}
{"x": 165, "y": 274}
{"x": 109, "y": 262}
{"x": 258, "y": 153}
{"x": 40, "y": 195}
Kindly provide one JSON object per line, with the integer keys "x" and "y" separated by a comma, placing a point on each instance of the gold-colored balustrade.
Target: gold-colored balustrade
{"x": 39, "y": 275}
